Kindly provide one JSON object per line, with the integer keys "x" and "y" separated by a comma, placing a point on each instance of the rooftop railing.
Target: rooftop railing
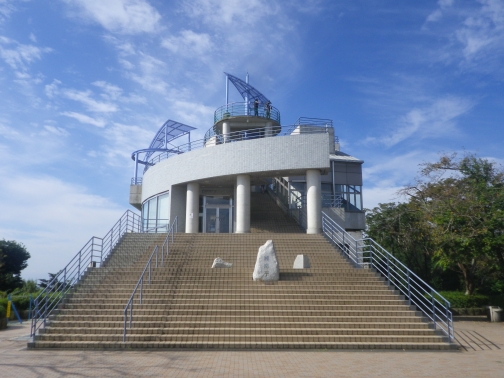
{"x": 237, "y": 109}
{"x": 212, "y": 139}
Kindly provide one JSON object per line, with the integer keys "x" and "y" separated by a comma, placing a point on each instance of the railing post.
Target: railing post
{"x": 409, "y": 288}
{"x": 80, "y": 256}
{"x": 141, "y": 291}
{"x": 433, "y": 310}
{"x": 388, "y": 271}
{"x": 150, "y": 265}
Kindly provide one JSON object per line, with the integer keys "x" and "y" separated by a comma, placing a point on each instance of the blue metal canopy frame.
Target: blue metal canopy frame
{"x": 161, "y": 143}
{"x": 247, "y": 91}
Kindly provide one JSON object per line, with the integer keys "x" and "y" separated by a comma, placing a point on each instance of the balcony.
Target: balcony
{"x": 240, "y": 109}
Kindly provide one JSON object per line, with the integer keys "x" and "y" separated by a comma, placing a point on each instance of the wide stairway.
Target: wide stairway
{"x": 190, "y": 305}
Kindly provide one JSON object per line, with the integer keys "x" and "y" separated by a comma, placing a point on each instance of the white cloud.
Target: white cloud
{"x": 431, "y": 121}
{"x": 52, "y": 89}
{"x": 477, "y": 42}
{"x": 84, "y": 97}
{"x": 372, "y": 196}
{"x": 6, "y": 9}
{"x": 151, "y": 74}
{"x": 121, "y": 144}
{"x": 19, "y": 56}
{"x": 219, "y": 12}
{"x": 188, "y": 43}
{"x": 56, "y": 130}
{"x": 120, "y": 16}
{"x": 82, "y": 118}
{"x": 52, "y": 218}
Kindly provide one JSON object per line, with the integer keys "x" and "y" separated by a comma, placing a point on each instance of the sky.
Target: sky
{"x": 83, "y": 83}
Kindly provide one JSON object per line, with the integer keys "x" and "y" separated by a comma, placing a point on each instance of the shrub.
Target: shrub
{"x": 2, "y": 311}
{"x": 460, "y": 300}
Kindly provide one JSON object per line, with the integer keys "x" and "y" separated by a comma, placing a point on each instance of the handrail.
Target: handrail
{"x": 366, "y": 253}
{"x": 94, "y": 252}
{"x": 165, "y": 250}
{"x": 212, "y": 139}
{"x": 236, "y": 109}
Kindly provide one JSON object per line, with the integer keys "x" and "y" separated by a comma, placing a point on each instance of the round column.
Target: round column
{"x": 242, "y": 204}
{"x": 313, "y": 202}
{"x": 192, "y": 208}
{"x": 225, "y": 131}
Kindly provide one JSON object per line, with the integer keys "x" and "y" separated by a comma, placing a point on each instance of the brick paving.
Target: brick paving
{"x": 482, "y": 356}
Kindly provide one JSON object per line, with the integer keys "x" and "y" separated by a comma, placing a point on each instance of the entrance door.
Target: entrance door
{"x": 217, "y": 215}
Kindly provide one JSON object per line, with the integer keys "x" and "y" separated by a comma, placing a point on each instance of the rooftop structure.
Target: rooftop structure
{"x": 207, "y": 183}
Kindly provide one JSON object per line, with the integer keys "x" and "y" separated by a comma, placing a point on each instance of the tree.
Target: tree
{"x": 13, "y": 259}
{"x": 401, "y": 230}
{"x": 463, "y": 200}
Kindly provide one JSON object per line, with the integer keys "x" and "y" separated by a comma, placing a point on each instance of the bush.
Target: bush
{"x": 460, "y": 300}
{"x": 2, "y": 311}
{"x": 22, "y": 303}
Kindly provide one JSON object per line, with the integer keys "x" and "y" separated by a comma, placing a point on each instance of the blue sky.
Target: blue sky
{"x": 83, "y": 83}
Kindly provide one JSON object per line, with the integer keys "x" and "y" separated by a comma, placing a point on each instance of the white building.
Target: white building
{"x": 207, "y": 184}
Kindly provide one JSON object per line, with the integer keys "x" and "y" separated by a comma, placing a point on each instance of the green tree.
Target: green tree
{"x": 463, "y": 200}
{"x": 13, "y": 259}
{"x": 401, "y": 229}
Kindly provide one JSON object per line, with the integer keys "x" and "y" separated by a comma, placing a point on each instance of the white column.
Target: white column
{"x": 225, "y": 131}
{"x": 242, "y": 204}
{"x": 192, "y": 208}
{"x": 269, "y": 129}
{"x": 313, "y": 202}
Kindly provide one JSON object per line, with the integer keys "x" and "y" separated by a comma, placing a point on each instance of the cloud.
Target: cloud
{"x": 151, "y": 74}
{"x": 84, "y": 97}
{"x": 475, "y": 33}
{"x": 120, "y": 143}
{"x": 431, "y": 121}
{"x": 188, "y": 43}
{"x": 119, "y": 16}
{"x": 6, "y": 9}
{"x": 53, "y": 218}
{"x": 19, "y": 56}
{"x": 219, "y": 12}
{"x": 56, "y": 130}
{"x": 82, "y": 118}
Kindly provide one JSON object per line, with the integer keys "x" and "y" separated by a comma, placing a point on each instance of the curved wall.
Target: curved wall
{"x": 275, "y": 156}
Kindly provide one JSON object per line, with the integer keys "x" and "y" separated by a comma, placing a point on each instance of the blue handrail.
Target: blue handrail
{"x": 165, "y": 250}
{"x": 94, "y": 252}
{"x": 366, "y": 253}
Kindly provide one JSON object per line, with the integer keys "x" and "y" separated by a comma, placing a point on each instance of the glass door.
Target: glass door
{"x": 217, "y": 215}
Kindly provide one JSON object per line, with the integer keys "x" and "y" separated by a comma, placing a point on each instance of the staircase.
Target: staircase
{"x": 189, "y": 305}
{"x": 266, "y": 216}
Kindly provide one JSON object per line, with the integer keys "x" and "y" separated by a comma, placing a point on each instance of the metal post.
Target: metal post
{"x": 78, "y": 274}
{"x": 131, "y": 314}
{"x": 433, "y": 310}
{"x": 388, "y": 271}
{"x": 227, "y": 90}
{"x": 409, "y": 288}
{"x": 141, "y": 290}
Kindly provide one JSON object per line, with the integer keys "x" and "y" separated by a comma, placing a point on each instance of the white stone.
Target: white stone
{"x": 301, "y": 262}
{"x": 266, "y": 267}
{"x": 219, "y": 263}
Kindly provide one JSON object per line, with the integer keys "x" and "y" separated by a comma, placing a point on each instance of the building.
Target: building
{"x": 206, "y": 184}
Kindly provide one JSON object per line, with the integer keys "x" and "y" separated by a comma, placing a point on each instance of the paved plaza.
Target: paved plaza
{"x": 481, "y": 355}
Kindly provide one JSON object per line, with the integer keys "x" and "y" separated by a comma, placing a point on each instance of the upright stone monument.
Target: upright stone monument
{"x": 266, "y": 266}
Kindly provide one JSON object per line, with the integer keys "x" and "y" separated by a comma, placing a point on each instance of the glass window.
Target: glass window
{"x": 155, "y": 214}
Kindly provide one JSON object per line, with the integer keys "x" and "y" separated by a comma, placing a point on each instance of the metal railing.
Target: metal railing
{"x": 235, "y": 109}
{"x": 332, "y": 200}
{"x": 366, "y": 253}
{"x": 156, "y": 256}
{"x": 212, "y": 139}
{"x": 94, "y": 252}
